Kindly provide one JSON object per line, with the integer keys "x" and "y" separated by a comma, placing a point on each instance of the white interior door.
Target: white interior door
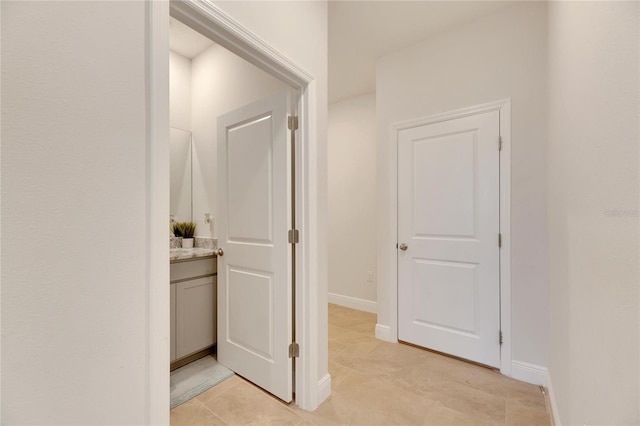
{"x": 448, "y": 218}
{"x": 254, "y": 273}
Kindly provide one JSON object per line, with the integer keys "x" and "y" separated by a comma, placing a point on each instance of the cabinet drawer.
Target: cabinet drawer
{"x": 192, "y": 268}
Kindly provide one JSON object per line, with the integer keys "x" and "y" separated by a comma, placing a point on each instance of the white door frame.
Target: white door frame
{"x": 390, "y": 332}
{"x": 208, "y": 19}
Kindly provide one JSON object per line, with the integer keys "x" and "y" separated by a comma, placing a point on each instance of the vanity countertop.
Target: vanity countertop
{"x": 190, "y": 253}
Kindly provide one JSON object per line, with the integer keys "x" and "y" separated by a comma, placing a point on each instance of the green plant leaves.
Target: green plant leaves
{"x": 184, "y": 229}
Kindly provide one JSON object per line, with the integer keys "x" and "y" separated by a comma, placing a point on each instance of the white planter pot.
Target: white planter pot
{"x": 187, "y": 243}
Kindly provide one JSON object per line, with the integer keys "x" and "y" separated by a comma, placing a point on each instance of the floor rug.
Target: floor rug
{"x": 194, "y": 378}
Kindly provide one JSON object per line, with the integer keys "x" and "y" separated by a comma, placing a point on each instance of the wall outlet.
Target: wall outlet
{"x": 370, "y": 276}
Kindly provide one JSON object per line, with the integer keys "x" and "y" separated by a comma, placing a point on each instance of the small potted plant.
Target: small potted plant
{"x": 186, "y": 230}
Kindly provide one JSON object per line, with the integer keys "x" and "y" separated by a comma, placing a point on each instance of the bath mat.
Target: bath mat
{"x": 191, "y": 380}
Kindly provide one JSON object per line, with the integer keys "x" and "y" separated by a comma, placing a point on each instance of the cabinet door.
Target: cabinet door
{"x": 172, "y": 340}
{"x": 195, "y": 315}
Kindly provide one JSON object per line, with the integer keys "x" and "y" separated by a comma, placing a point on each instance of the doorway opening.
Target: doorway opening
{"x": 242, "y": 198}
{"x": 214, "y": 24}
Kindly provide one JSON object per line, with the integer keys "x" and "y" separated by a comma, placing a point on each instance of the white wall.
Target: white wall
{"x": 74, "y": 213}
{"x": 352, "y": 144}
{"x": 499, "y": 56}
{"x": 593, "y": 211}
{"x": 220, "y": 82}
{"x": 298, "y": 29}
{"x": 179, "y": 91}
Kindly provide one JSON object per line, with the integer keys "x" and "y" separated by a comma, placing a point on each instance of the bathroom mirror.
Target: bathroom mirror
{"x": 181, "y": 205}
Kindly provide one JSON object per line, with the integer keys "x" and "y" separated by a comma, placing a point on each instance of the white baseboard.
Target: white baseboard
{"x": 383, "y": 332}
{"x": 324, "y": 388}
{"x": 353, "y": 302}
{"x": 552, "y": 402}
{"x": 529, "y": 373}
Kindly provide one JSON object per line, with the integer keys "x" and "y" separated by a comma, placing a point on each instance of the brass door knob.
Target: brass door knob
{"x": 220, "y": 252}
{"x": 403, "y": 247}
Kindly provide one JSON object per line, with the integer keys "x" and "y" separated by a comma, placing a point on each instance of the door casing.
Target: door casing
{"x": 214, "y": 23}
{"x": 389, "y": 332}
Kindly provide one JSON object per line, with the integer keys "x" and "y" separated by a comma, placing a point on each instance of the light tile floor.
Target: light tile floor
{"x": 378, "y": 383}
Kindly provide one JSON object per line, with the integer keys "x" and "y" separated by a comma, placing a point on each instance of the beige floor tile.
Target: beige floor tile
{"x": 193, "y": 413}
{"x": 335, "y": 348}
{"x": 338, "y": 332}
{"x": 360, "y": 349}
{"x": 339, "y": 310}
{"x": 484, "y": 408}
{"x": 349, "y": 338}
{"x": 247, "y": 405}
{"x": 362, "y": 315}
{"x": 219, "y": 389}
{"x": 351, "y": 313}
{"x": 326, "y": 414}
{"x": 428, "y": 374}
{"x": 377, "y": 359}
{"x": 362, "y": 326}
{"x": 523, "y": 414}
{"x": 379, "y": 383}
{"x": 524, "y": 393}
{"x": 439, "y": 415}
{"x": 363, "y": 399}
{"x": 338, "y": 372}
{"x": 329, "y": 414}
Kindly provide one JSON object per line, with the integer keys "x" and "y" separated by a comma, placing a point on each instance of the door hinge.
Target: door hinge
{"x": 499, "y": 143}
{"x": 500, "y": 336}
{"x": 294, "y": 350}
{"x": 294, "y": 236}
{"x": 499, "y": 240}
{"x": 292, "y": 122}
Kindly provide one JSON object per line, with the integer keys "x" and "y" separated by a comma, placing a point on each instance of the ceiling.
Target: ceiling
{"x": 185, "y": 41}
{"x": 360, "y": 32}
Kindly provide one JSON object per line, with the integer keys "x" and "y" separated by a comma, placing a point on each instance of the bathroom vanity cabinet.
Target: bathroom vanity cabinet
{"x": 193, "y": 307}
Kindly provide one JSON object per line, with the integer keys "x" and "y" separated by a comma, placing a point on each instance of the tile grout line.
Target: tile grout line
{"x": 213, "y": 412}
